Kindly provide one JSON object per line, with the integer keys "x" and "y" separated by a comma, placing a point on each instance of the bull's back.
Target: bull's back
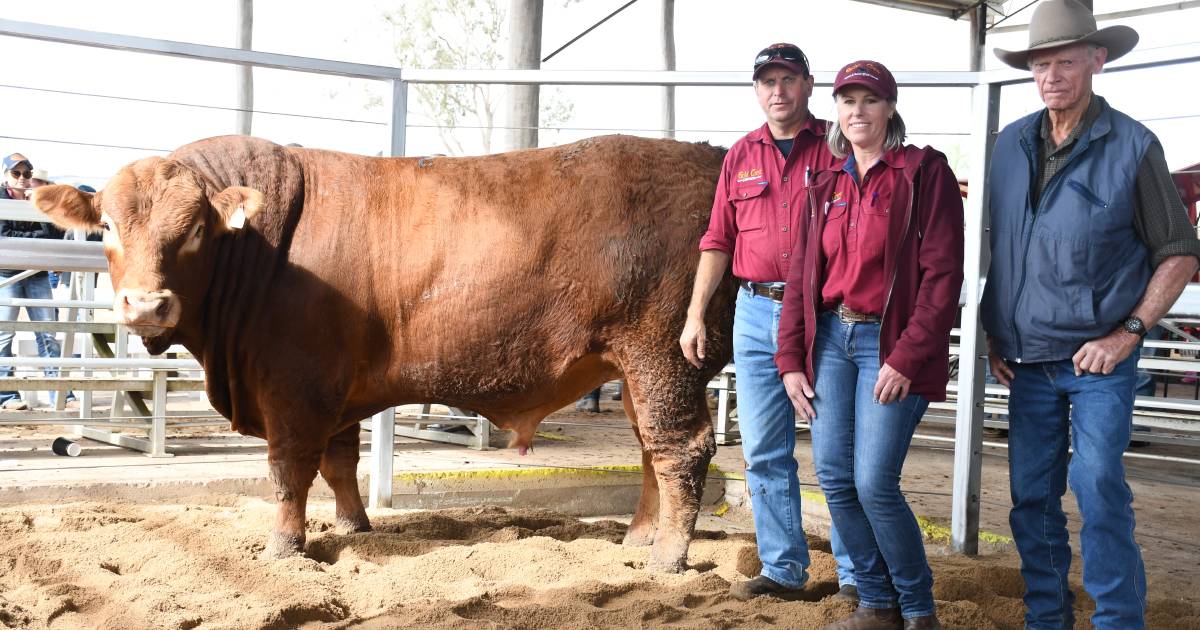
{"x": 491, "y": 275}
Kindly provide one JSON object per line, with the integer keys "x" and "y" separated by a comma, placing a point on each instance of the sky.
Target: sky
{"x": 58, "y": 98}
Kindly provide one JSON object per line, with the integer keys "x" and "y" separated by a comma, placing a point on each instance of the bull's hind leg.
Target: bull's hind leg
{"x": 339, "y": 467}
{"x": 676, "y": 431}
{"x": 292, "y": 466}
{"x": 645, "y": 518}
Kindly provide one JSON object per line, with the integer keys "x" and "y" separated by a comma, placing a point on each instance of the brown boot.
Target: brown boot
{"x": 928, "y": 622}
{"x": 869, "y": 619}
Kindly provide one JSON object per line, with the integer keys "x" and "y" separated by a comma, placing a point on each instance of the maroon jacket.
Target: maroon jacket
{"x": 923, "y": 258}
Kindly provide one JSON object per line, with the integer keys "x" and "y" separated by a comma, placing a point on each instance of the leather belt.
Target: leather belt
{"x": 851, "y": 316}
{"x": 763, "y": 290}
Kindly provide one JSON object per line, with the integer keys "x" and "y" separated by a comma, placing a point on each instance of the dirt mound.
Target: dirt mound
{"x": 130, "y": 566}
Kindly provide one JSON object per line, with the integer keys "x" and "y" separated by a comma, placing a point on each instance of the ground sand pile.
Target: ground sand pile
{"x": 132, "y": 566}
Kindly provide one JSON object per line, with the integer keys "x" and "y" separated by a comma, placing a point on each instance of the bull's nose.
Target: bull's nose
{"x": 152, "y": 308}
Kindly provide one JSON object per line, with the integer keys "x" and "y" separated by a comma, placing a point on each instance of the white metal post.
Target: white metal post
{"x": 399, "y": 121}
{"x": 383, "y": 438}
{"x": 968, "y": 434}
{"x": 87, "y": 292}
{"x": 158, "y": 424}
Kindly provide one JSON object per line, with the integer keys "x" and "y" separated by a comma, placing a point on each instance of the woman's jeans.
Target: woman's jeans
{"x": 859, "y": 448}
{"x": 35, "y": 287}
{"x": 767, "y": 421}
{"x": 1050, "y": 408}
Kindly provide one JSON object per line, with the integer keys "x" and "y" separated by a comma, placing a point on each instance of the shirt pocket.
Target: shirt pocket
{"x": 878, "y": 203}
{"x": 1091, "y": 197}
{"x": 750, "y": 205}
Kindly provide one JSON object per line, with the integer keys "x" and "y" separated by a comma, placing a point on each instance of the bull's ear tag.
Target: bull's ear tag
{"x": 238, "y": 220}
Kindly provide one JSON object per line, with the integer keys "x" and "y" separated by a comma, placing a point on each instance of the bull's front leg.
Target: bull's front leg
{"x": 339, "y": 467}
{"x": 292, "y": 466}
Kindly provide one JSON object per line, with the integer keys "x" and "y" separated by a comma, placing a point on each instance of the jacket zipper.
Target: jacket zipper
{"x": 1037, "y": 212}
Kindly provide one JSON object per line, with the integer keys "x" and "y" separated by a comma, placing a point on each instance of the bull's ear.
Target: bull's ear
{"x": 236, "y": 204}
{"x": 68, "y": 207}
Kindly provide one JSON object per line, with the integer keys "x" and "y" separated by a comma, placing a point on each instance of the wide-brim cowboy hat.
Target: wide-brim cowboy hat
{"x": 1064, "y": 22}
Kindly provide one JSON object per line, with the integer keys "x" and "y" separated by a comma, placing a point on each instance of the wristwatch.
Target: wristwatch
{"x": 1134, "y": 325}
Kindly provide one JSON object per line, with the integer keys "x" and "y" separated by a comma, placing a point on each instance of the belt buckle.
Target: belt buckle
{"x": 848, "y": 316}
{"x": 775, "y": 293}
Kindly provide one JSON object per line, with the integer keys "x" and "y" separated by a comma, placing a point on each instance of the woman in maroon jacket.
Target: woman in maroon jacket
{"x": 865, "y": 333}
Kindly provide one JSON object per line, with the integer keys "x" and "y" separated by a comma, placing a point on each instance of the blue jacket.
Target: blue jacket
{"x": 1074, "y": 269}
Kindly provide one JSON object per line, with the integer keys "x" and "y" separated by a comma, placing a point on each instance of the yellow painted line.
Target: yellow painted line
{"x": 941, "y": 534}
{"x": 555, "y": 437}
{"x": 933, "y": 531}
{"x": 521, "y": 473}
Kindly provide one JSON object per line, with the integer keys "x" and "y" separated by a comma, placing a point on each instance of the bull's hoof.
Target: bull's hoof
{"x": 347, "y": 525}
{"x": 678, "y": 565}
{"x": 639, "y": 537}
{"x": 280, "y": 546}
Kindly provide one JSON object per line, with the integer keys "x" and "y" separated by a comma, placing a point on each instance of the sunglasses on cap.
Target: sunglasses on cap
{"x": 784, "y": 53}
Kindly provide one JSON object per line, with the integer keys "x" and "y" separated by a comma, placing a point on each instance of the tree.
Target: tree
{"x": 445, "y": 34}
{"x": 245, "y": 74}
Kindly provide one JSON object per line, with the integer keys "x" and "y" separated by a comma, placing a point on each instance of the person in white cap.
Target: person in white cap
{"x": 1090, "y": 247}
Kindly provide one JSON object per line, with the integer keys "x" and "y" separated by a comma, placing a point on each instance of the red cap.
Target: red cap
{"x": 786, "y": 55}
{"x": 869, "y": 74}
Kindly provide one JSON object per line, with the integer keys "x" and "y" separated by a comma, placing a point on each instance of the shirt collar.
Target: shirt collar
{"x": 1085, "y": 123}
{"x": 893, "y": 158}
{"x": 814, "y": 126}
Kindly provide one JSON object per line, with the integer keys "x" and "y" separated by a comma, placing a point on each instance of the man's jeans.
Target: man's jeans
{"x": 767, "y": 421}
{"x": 1047, "y": 405}
{"x": 36, "y": 287}
{"x": 859, "y": 448}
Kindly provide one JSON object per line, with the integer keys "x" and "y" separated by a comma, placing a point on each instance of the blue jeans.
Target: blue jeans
{"x": 767, "y": 421}
{"x": 1049, "y": 405}
{"x": 859, "y": 448}
{"x": 36, "y": 287}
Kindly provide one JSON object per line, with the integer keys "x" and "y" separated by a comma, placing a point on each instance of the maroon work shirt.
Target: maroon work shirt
{"x": 761, "y": 200}
{"x": 856, "y": 231}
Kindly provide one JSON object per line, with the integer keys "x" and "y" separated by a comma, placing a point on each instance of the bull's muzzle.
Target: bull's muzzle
{"x": 147, "y": 313}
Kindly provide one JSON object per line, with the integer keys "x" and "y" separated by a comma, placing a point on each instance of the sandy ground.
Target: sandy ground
{"x": 192, "y": 562}
{"x": 92, "y": 565}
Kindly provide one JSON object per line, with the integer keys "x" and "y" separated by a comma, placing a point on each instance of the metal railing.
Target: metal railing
{"x": 986, "y": 88}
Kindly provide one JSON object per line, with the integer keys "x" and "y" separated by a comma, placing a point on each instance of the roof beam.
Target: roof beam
{"x": 948, "y": 9}
{"x": 1115, "y": 15}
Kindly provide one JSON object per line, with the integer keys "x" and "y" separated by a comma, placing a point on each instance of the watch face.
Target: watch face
{"x": 1135, "y": 326}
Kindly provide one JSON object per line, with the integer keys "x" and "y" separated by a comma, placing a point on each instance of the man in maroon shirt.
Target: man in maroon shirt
{"x": 756, "y": 215}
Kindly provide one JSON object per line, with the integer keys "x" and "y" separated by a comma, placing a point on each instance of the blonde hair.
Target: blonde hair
{"x": 839, "y": 146}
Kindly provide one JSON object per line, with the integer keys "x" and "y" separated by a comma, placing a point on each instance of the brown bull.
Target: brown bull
{"x": 318, "y": 288}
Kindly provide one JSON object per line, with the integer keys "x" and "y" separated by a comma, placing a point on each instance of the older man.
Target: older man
{"x": 1090, "y": 247}
{"x": 756, "y": 215}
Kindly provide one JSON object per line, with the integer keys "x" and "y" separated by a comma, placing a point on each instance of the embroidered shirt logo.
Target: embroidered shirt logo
{"x": 749, "y": 175}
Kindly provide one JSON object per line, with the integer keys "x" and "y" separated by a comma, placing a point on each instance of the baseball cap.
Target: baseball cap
{"x": 11, "y": 161}
{"x": 786, "y": 55}
{"x": 869, "y": 74}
